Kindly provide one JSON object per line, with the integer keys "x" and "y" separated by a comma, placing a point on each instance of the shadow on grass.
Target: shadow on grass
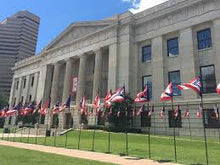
{"x": 196, "y": 164}
{"x": 164, "y": 161}
{"x": 133, "y": 158}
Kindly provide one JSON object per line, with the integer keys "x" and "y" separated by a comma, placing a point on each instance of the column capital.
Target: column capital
{"x": 98, "y": 51}
{"x": 69, "y": 59}
{"x": 57, "y": 63}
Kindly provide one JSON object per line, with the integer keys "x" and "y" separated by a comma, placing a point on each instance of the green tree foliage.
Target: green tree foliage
{"x": 3, "y": 101}
{"x": 120, "y": 114}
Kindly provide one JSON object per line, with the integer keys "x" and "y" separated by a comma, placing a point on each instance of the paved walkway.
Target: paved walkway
{"x": 84, "y": 154}
{"x": 6, "y": 135}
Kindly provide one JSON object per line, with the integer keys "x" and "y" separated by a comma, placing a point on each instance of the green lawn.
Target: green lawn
{"x": 188, "y": 151}
{"x": 11, "y": 155}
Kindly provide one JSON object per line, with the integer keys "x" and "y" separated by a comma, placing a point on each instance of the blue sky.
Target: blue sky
{"x": 56, "y": 15}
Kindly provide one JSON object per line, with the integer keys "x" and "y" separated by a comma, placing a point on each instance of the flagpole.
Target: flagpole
{"x": 93, "y": 137}
{"x": 126, "y": 133}
{"x": 29, "y": 133}
{"x": 190, "y": 134}
{"x": 165, "y": 119}
{"x": 79, "y": 136}
{"x": 174, "y": 131}
{"x": 218, "y": 124}
{"x": 204, "y": 129}
{"x": 149, "y": 140}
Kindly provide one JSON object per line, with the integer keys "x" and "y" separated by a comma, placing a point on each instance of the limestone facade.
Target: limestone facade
{"x": 106, "y": 54}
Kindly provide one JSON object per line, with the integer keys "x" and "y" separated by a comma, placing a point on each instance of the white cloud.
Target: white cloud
{"x": 141, "y": 5}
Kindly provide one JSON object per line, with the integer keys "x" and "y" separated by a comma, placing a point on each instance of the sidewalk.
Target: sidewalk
{"x": 84, "y": 154}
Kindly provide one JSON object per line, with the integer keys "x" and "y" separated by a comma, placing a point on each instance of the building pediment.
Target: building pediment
{"x": 76, "y": 31}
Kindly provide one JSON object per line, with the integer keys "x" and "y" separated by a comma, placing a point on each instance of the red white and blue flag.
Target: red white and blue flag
{"x": 13, "y": 111}
{"x": 186, "y": 113}
{"x": 176, "y": 111}
{"x": 43, "y": 110}
{"x": 151, "y": 110}
{"x": 83, "y": 105}
{"x": 28, "y": 109}
{"x": 107, "y": 98}
{"x": 199, "y": 112}
{"x": 3, "y": 112}
{"x": 161, "y": 114}
{"x": 216, "y": 112}
{"x": 66, "y": 104}
{"x": 168, "y": 93}
{"x": 194, "y": 84}
{"x": 218, "y": 89}
{"x": 141, "y": 110}
{"x": 38, "y": 107}
{"x": 118, "y": 96}
{"x": 97, "y": 102}
{"x": 143, "y": 96}
{"x": 56, "y": 108}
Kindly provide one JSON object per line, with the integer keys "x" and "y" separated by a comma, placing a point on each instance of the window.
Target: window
{"x": 174, "y": 77}
{"x": 145, "y": 118}
{"x": 172, "y": 47}
{"x": 32, "y": 81}
{"x": 146, "y": 53}
{"x": 22, "y": 99}
{"x": 210, "y": 119}
{"x": 24, "y": 84}
{"x": 175, "y": 122}
{"x": 145, "y": 80}
{"x": 30, "y": 98}
{"x": 17, "y": 84}
{"x": 208, "y": 79}
{"x": 14, "y": 102}
{"x": 204, "y": 39}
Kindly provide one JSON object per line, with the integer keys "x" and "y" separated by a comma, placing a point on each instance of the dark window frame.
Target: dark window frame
{"x": 172, "y": 47}
{"x": 146, "y": 55}
{"x": 210, "y": 120}
{"x": 17, "y": 84}
{"x": 175, "y": 84}
{"x": 151, "y": 85}
{"x": 24, "y": 83}
{"x": 202, "y": 80}
{"x": 207, "y": 41}
{"x": 32, "y": 81}
{"x": 177, "y": 123}
{"x": 145, "y": 118}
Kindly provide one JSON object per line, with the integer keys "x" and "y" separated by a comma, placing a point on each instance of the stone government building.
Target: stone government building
{"x": 176, "y": 40}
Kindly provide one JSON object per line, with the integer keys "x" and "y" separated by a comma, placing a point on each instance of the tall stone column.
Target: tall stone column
{"x": 158, "y": 68}
{"x": 216, "y": 40}
{"x": 36, "y": 80}
{"x": 26, "y": 90}
{"x": 19, "y": 91}
{"x": 81, "y": 78}
{"x": 12, "y": 92}
{"x": 55, "y": 84}
{"x": 112, "y": 71}
{"x": 188, "y": 60}
{"x": 97, "y": 74}
{"x": 66, "y": 89}
{"x": 67, "y": 78}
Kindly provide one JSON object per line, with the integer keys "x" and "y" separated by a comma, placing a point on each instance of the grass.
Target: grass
{"x": 189, "y": 151}
{"x": 11, "y": 155}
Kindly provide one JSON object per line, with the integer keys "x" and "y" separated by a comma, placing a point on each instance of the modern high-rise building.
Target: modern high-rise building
{"x": 18, "y": 38}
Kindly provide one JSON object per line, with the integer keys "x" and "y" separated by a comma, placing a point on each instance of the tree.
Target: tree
{"x": 120, "y": 114}
{"x": 3, "y": 101}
